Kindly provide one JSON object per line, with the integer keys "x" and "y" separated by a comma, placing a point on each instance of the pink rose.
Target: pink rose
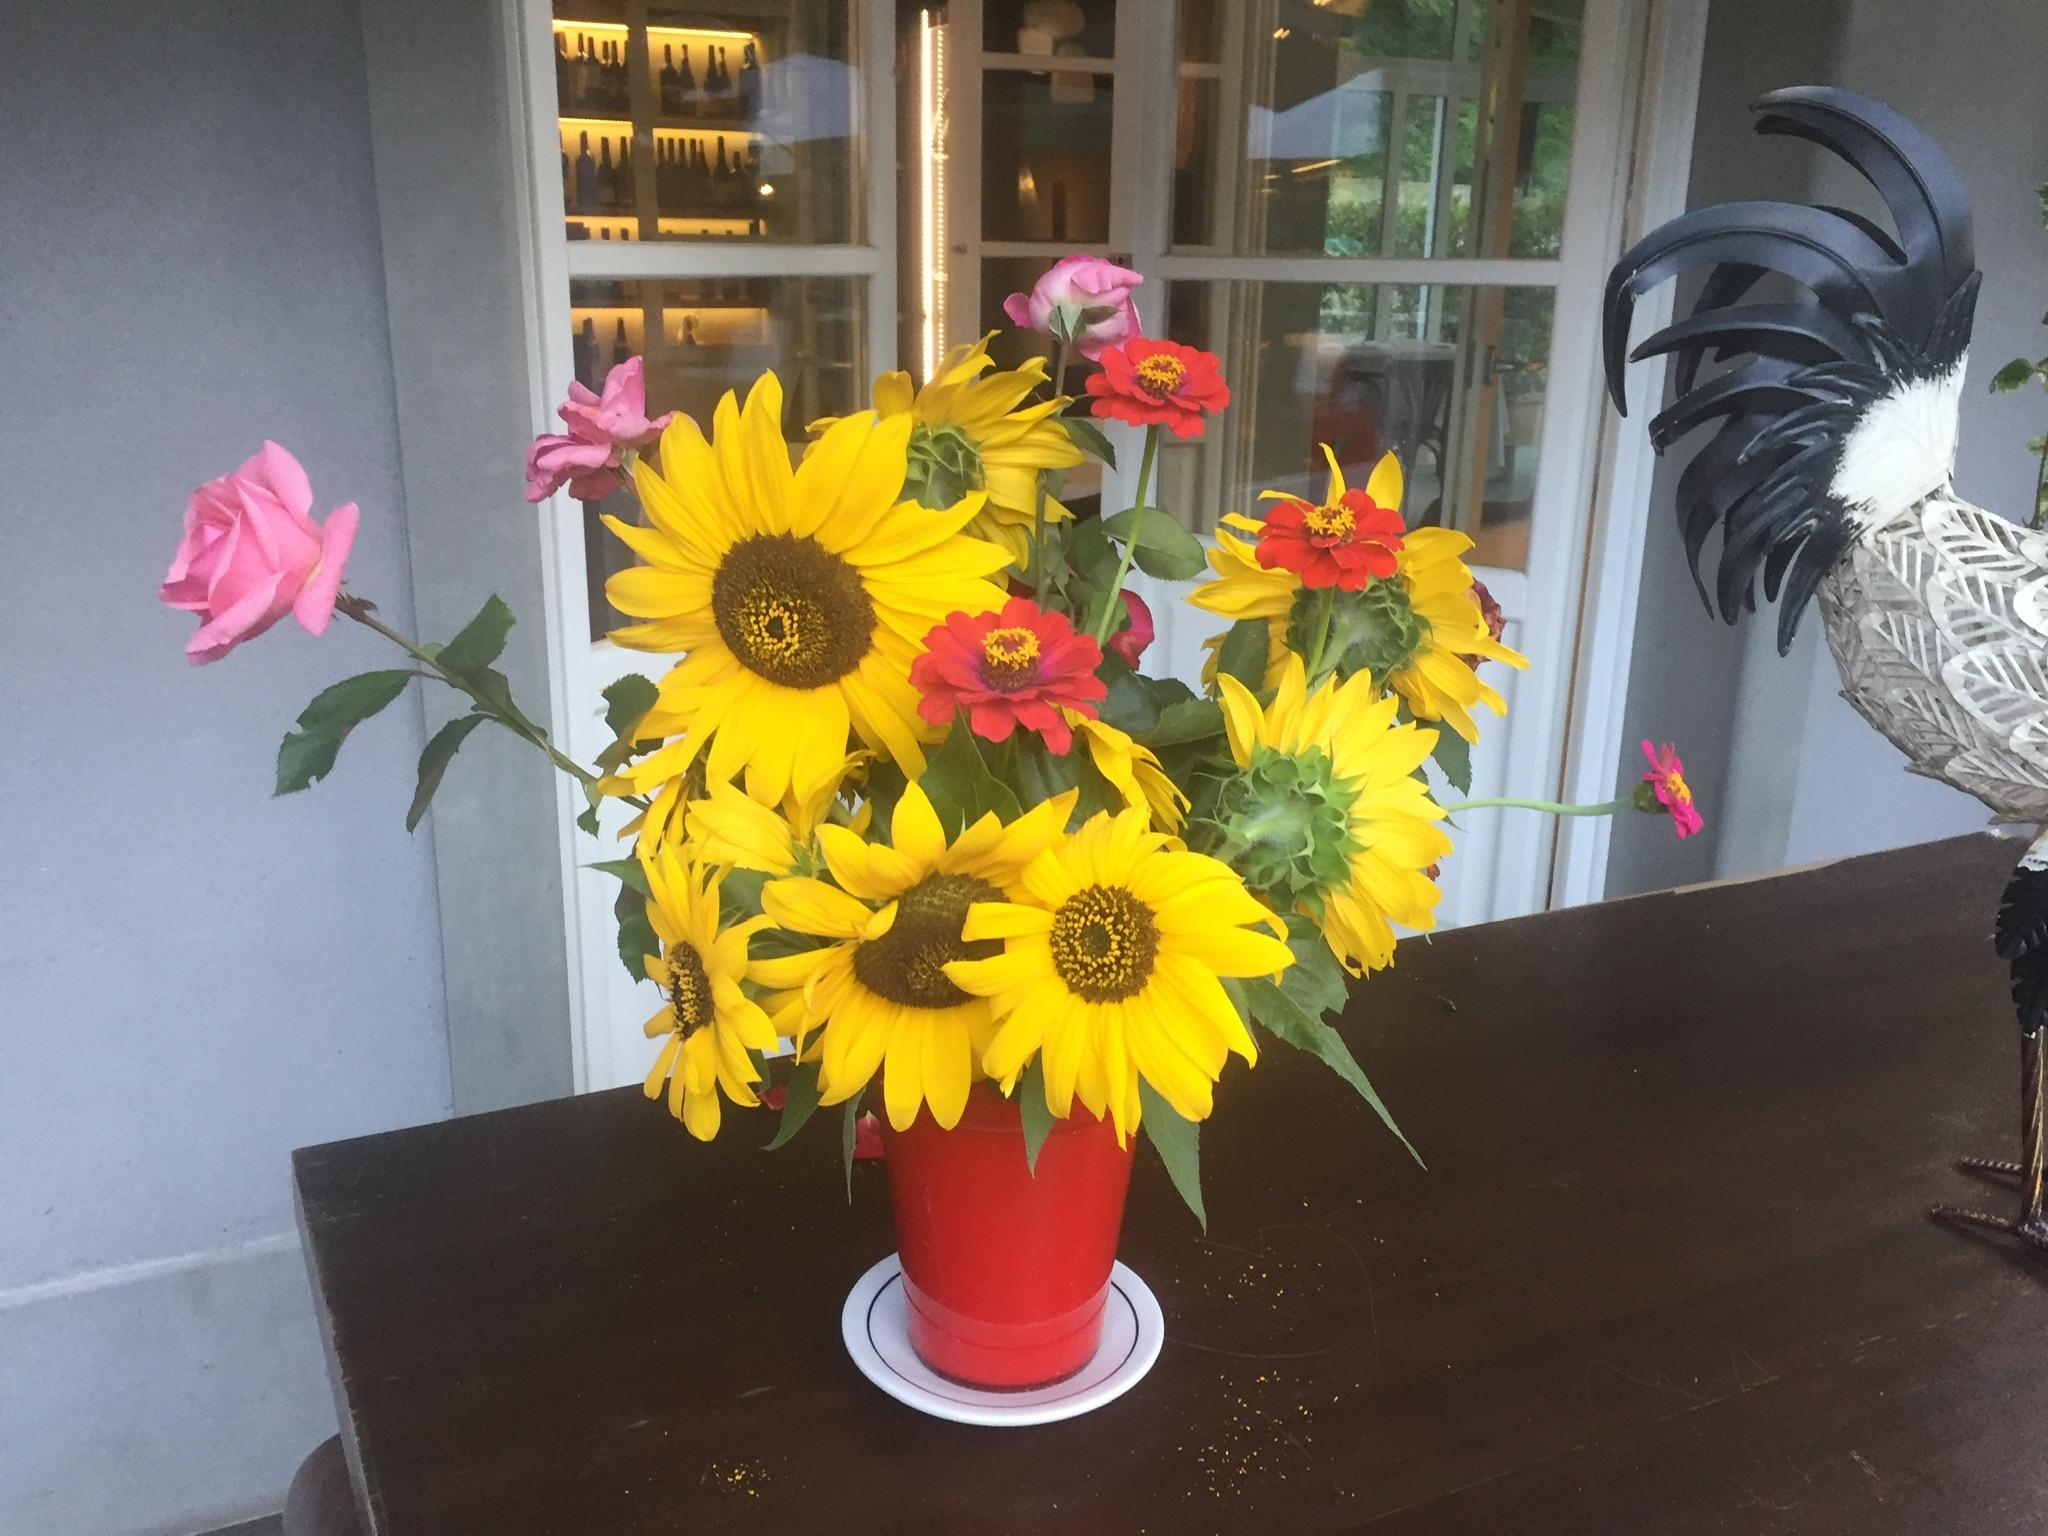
{"x": 603, "y": 429}
{"x": 1082, "y": 298}
{"x": 251, "y": 555}
{"x": 1130, "y": 641}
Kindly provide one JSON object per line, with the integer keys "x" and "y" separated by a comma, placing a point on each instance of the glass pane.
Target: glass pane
{"x": 704, "y": 336}
{"x": 696, "y": 125}
{"x": 1363, "y": 136}
{"x": 1451, "y": 379}
{"x": 1045, "y": 157}
{"x": 1077, "y": 28}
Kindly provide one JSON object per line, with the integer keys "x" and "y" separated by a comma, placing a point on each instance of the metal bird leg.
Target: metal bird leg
{"x": 2030, "y": 1226}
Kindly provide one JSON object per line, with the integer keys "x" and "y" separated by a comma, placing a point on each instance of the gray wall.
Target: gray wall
{"x": 196, "y": 978}
{"x": 1786, "y": 771}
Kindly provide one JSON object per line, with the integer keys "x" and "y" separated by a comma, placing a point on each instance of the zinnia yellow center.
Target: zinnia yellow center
{"x": 1680, "y": 791}
{"x": 1329, "y": 522}
{"x": 689, "y": 997}
{"x": 1008, "y": 655}
{"x": 906, "y": 964}
{"x": 1104, "y": 942}
{"x": 1161, "y": 373}
{"x": 791, "y": 610}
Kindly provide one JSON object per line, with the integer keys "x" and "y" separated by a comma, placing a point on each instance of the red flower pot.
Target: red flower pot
{"x": 1005, "y": 1272}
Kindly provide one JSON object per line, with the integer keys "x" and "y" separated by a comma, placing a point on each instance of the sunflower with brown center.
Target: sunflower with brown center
{"x": 893, "y": 918}
{"x": 799, "y": 597}
{"x": 1109, "y": 970}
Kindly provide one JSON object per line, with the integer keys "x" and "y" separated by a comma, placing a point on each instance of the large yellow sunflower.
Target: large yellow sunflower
{"x": 879, "y": 988}
{"x": 799, "y": 596}
{"x": 1418, "y": 632}
{"x": 974, "y": 433}
{"x": 710, "y": 1023}
{"x": 1109, "y": 971}
{"x": 1327, "y": 814}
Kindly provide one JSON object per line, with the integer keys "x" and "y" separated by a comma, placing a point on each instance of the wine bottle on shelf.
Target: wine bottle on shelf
{"x": 607, "y": 177}
{"x": 621, "y": 349}
{"x": 586, "y": 177}
{"x": 690, "y": 330}
{"x": 686, "y": 84}
{"x": 622, "y": 96}
{"x": 750, "y": 83}
{"x": 561, "y": 71}
{"x": 721, "y": 178}
{"x": 714, "y": 82}
{"x": 608, "y": 80}
{"x": 667, "y": 80}
{"x": 628, "y": 193}
{"x": 586, "y": 72}
{"x": 586, "y": 352}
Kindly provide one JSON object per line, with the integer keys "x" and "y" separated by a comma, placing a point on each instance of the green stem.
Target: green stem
{"x": 1035, "y": 570}
{"x": 1325, "y": 606}
{"x": 1123, "y": 565}
{"x": 1508, "y": 802}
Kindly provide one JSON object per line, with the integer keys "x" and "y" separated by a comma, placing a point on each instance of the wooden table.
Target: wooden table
{"x": 1669, "y": 1271}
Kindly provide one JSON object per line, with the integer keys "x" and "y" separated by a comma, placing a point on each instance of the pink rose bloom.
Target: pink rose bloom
{"x": 1130, "y": 641}
{"x": 251, "y": 555}
{"x": 603, "y": 429}
{"x": 1083, "y": 298}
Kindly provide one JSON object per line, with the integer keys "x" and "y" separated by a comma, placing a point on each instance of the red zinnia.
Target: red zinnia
{"x": 1353, "y": 537}
{"x": 1147, "y": 383}
{"x": 1016, "y": 667}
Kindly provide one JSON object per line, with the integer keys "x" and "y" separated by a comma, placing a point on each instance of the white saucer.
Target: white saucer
{"x": 877, "y": 1336}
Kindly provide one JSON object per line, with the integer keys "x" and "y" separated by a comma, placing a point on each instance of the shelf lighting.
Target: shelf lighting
{"x": 590, "y": 26}
{"x": 722, "y": 32}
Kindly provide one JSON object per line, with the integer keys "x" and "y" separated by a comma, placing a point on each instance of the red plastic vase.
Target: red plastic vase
{"x": 1005, "y": 1272}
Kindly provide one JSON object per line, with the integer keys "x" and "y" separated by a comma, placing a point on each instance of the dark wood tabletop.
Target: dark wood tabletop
{"x": 1669, "y": 1270}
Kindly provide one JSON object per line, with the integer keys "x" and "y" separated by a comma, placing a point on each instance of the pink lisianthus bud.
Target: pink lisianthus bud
{"x": 1082, "y": 299}
{"x": 1490, "y": 610}
{"x": 251, "y": 554}
{"x": 1129, "y": 642}
{"x": 867, "y": 1139}
{"x": 589, "y": 458}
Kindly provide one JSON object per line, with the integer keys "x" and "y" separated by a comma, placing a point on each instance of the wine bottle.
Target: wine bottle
{"x": 690, "y": 330}
{"x": 621, "y": 350}
{"x": 714, "y": 80}
{"x": 586, "y": 73}
{"x": 607, "y": 177}
{"x": 750, "y": 83}
{"x": 686, "y": 84}
{"x": 561, "y": 71}
{"x": 668, "y": 80}
{"x": 721, "y": 178}
{"x": 586, "y": 352}
{"x": 586, "y": 177}
{"x": 628, "y": 193}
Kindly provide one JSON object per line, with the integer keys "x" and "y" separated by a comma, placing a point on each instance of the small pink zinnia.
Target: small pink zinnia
{"x": 1666, "y": 781}
{"x": 1016, "y": 667}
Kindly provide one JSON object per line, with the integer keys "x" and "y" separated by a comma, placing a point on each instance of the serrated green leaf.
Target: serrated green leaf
{"x": 625, "y": 871}
{"x": 1092, "y": 555}
{"x": 587, "y": 819}
{"x": 1128, "y": 705}
{"x": 626, "y": 703}
{"x": 1453, "y": 754}
{"x": 1243, "y": 654}
{"x": 1191, "y": 720}
{"x": 960, "y": 785}
{"x": 800, "y": 1103}
{"x": 1316, "y": 981}
{"x": 1162, "y": 547}
{"x": 1179, "y": 1144}
{"x": 1088, "y": 437}
{"x": 482, "y": 639}
{"x": 307, "y": 754}
{"x": 1036, "y": 1113}
{"x": 1287, "y": 1019}
{"x": 435, "y": 757}
{"x": 2012, "y": 376}
{"x": 637, "y": 938}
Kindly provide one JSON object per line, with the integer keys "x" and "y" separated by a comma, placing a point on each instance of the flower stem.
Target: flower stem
{"x": 1123, "y": 565}
{"x": 1324, "y": 607}
{"x": 1035, "y": 571}
{"x": 1508, "y": 802}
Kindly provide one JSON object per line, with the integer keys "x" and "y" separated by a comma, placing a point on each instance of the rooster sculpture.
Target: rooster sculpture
{"x": 1830, "y": 477}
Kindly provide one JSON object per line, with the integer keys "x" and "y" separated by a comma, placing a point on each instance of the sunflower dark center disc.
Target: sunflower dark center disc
{"x": 689, "y": 997}
{"x": 791, "y": 610}
{"x": 1104, "y": 942}
{"x": 905, "y": 965}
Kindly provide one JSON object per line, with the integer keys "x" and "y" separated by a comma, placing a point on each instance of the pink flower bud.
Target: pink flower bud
{"x": 1085, "y": 299}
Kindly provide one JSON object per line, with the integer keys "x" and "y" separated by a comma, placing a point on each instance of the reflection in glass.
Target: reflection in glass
{"x": 1363, "y": 136}
{"x": 1450, "y": 379}
{"x": 1074, "y": 28}
{"x": 1045, "y": 156}
{"x": 690, "y": 125}
{"x": 702, "y": 337}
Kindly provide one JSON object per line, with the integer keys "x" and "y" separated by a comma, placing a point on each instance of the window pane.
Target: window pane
{"x": 1361, "y": 136}
{"x": 702, "y": 126}
{"x": 1450, "y": 379}
{"x": 1045, "y": 156}
{"x": 1079, "y": 28}
{"x": 702, "y": 337}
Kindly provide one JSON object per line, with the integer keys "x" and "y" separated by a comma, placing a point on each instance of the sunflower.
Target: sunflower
{"x": 893, "y": 920}
{"x": 1420, "y": 632}
{"x": 726, "y": 825}
{"x": 1110, "y": 966}
{"x": 972, "y": 433}
{"x": 799, "y": 596}
{"x": 1132, "y": 770}
{"x": 1326, "y": 814}
{"x": 710, "y": 1023}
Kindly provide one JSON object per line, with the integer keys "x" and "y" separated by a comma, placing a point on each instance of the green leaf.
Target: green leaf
{"x": 960, "y": 785}
{"x": 2012, "y": 376}
{"x": 1243, "y": 655}
{"x": 739, "y": 894}
{"x": 1315, "y": 981}
{"x": 1092, "y": 555}
{"x": 846, "y": 1135}
{"x": 1128, "y": 705}
{"x": 1453, "y": 754}
{"x": 625, "y": 871}
{"x": 1287, "y": 1019}
{"x": 1179, "y": 1143}
{"x": 1192, "y": 720}
{"x": 637, "y": 939}
{"x": 626, "y": 703}
{"x": 482, "y": 638}
{"x": 308, "y": 754}
{"x": 1088, "y": 437}
{"x": 1037, "y": 1114}
{"x": 587, "y": 819}
{"x": 1162, "y": 547}
{"x": 799, "y": 1106}
{"x": 438, "y": 753}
